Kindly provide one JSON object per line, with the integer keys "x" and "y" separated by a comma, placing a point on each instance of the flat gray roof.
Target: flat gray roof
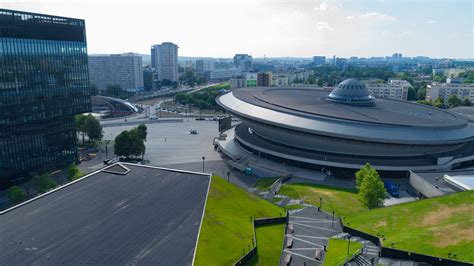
{"x": 436, "y": 178}
{"x": 148, "y": 216}
{"x": 304, "y": 101}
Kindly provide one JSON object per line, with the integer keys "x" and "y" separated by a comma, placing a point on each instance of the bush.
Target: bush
{"x": 16, "y": 194}
{"x": 73, "y": 172}
{"x": 44, "y": 183}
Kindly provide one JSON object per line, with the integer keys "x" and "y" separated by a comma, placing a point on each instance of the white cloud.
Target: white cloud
{"x": 322, "y": 7}
{"x": 323, "y": 25}
{"x": 377, "y": 15}
{"x": 431, "y": 22}
{"x": 350, "y": 17}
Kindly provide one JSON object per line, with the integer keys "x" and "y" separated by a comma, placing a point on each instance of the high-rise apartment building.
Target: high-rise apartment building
{"x": 44, "y": 82}
{"x": 164, "y": 59}
{"x": 264, "y": 79}
{"x": 125, "y": 70}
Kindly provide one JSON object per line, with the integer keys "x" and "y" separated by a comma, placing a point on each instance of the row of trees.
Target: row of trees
{"x": 191, "y": 78}
{"x": 205, "y": 99}
{"x": 453, "y": 101}
{"x": 87, "y": 125}
{"x": 131, "y": 143}
{"x": 332, "y": 75}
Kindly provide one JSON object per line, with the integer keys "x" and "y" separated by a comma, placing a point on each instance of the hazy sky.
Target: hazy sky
{"x": 303, "y": 28}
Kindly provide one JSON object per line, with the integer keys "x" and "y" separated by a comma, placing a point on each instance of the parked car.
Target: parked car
{"x": 110, "y": 161}
{"x": 193, "y": 132}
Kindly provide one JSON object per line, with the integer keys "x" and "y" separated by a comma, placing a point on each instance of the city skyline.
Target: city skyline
{"x": 273, "y": 28}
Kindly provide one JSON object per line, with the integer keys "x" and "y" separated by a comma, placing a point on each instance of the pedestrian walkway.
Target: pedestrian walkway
{"x": 309, "y": 230}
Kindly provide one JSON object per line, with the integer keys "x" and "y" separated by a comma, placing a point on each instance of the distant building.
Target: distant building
{"x": 444, "y": 90}
{"x": 243, "y": 61}
{"x": 204, "y": 65}
{"x": 225, "y": 73}
{"x": 396, "y": 89}
{"x": 448, "y": 72}
{"x": 150, "y": 79}
{"x": 237, "y": 82}
{"x": 164, "y": 59}
{"x": 280, "y": 80}
{"x": 125, "y": 70}
{"x": 397, "y": 56}
{"x": 264, "y": 79}
{"x": 43, "y": 83}
{"x": 319, "y": 60}
{"x": 251, "y": 80}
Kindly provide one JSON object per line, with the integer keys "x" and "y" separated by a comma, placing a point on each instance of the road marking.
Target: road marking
{"x": 305, "y": 241}
{"x": 299, "y": 255}
{"x": 315, "y": 227}
{"x": 317, "y": 237}
{"x": 309, "y": 218}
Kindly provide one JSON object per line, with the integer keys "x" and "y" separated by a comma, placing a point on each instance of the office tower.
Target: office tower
{"x": 319, "y": 60}
{"x": 164, "y": 59}
{"x": 243, "y": 61}
{"x": 44, "y": 82}
{"x": 125, "y": 70}
{"x": 264, "y": 79}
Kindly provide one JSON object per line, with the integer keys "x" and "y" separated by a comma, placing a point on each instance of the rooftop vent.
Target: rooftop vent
{"x": 118, "y": 169}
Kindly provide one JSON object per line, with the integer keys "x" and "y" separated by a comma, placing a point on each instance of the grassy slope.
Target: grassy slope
{"x": 337, "y": 251}
{"x": 436, "y": 226}
{"x": 227, "y": 228}
{"x": 269, "y": 244}
{"x": 342, "y": 201}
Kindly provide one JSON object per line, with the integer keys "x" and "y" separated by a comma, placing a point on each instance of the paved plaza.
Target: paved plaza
{"x": 171, "y": 143}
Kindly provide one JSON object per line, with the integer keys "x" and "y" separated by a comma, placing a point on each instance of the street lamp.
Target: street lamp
{"x": 228, "y": 176}
{"x": 320, "y": 202}
{"x": 203, "y": 158}
{"x": 348, "y": 243}
{"x": 106, "y": 150}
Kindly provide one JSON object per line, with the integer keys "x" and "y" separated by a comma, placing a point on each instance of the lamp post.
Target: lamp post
{"x": 203, "y": 158}
{"x": 320, "y": 202}
{"x": 106, "y": 150}
{"x": 348, "y": 243}
{"x": 228, "y": 176}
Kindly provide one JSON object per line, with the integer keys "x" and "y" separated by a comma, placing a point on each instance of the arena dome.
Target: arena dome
{"x": 351, "y": 91}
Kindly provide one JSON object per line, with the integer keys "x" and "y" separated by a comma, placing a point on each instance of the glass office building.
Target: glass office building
{"x": 44, "y": 82}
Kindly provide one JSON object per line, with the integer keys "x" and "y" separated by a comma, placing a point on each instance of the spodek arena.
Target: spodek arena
{"x": 347, "y": 128}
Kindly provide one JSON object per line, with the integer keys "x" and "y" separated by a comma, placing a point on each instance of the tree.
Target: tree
{"x": 412, "y": 95}
{"x": 362, "y": 173}
{"x": 425, "y": 102}
{"x": 93, "y": 128}
{"x": 454, "y": 101}
{"x": 79, "y": 121}
{"x": 131, "y": 143}
{"x": 73, "y": 172}
{"x": 181, "y": 98}
{"x": 142, "y": 131}
{"x": 466, "y": 102}
{"x": 16, "y": 194}
{"x": 94, "y": 90}
{"x": 439, "y": 102}
{"x": 370, "y": 186}
{"x": 44, "y": 182}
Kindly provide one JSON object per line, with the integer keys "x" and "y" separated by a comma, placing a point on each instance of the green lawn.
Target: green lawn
{"x": 227, "y": 228}
{"x": 342, "y": 201}
{"x": 265, "y": 183}
{"x": 337, "y": 251}
{"x": 294, "y": 207}
{"x": 269, "y": 244}
{"x": 436, "y": 226}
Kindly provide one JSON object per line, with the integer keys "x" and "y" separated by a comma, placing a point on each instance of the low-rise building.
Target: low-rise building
{"x": 444, "y": 90}
{"x": 395, "y": 89}
{"x": 204, "y": 65}
{"x": 279, "y": 80}
{"x": 224, "y": 73}
{"x": 264, "y": 79}
{"x": 237, "y": 82}
{"x": 251, "y": 80}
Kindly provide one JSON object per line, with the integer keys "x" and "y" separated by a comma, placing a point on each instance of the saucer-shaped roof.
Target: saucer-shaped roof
{"x": 351, "y": 91}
